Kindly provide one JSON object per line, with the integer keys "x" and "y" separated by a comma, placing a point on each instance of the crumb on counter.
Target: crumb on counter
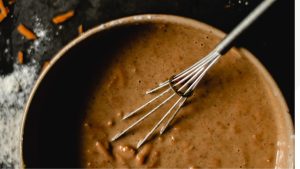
{"x": 28, "y": 34}
{"x": 63, "y": 17}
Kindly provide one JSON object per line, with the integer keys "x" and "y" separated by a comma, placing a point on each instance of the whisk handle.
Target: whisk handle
{"x": 222, "y": 47}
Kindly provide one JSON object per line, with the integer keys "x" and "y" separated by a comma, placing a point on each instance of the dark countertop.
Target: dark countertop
{"x": 271, "y": 38}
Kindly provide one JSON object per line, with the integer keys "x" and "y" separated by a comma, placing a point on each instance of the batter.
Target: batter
{"x": 228, "y": 122}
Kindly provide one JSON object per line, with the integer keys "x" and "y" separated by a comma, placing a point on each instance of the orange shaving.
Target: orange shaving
{"x": 3, "y": 11}
{"x": 20, "y": 57}
{"x": 26, "y": 32}
{"x": 80, "y": 29}
{"x": 63, "y": 17}
{"x": 46, "y": 63}
{"x": 2, "y": 17}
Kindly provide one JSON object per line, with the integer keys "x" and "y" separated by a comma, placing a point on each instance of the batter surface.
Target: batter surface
{"x": 228, "y": 122}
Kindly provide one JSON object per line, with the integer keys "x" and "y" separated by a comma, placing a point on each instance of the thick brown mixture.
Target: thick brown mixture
{"x": 228, "y": 122}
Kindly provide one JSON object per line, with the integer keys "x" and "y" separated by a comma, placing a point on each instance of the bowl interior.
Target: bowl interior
{"x": 55, "y": 112}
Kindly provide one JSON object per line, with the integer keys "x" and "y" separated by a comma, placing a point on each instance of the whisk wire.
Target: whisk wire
{"x": 185, "y": 72}
{"x": 196, "y": 74}
{"x": 191, "y": 88}
{"x": 144, "y": 105}
{"x": 141, "y": 119}
{"x": 189, "y": 78}
{"x": 141, "y": 142}
{"x": 162, "y": 130}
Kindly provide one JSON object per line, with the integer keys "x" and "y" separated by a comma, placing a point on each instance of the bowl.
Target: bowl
{"x": 55, "y": 108}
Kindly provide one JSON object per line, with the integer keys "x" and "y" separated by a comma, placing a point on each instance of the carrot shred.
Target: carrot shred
{"x": 80, "y": 29}
{"x": 26, "y": 32}
{"x": 20, "y": 57}
{"x": 3, "y": 11}
{"x": 63, "y": 17}
{"x": 2, "y": 17}
{"x": 45, "y": 64}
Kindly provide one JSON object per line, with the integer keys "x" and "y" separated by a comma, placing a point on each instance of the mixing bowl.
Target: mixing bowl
{"x": 55, "y": 108}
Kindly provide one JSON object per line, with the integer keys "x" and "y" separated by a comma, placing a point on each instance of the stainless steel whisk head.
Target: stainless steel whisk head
{"x": 184, "y": 83}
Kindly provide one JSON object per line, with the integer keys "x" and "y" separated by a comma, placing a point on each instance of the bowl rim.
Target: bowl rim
{"x": 138, "y": 19}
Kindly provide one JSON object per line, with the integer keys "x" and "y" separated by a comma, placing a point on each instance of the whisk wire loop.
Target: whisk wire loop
{"x": 184, "y": 83}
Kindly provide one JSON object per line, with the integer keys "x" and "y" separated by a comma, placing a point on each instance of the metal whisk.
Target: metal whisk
{"x": 184, "y": 83}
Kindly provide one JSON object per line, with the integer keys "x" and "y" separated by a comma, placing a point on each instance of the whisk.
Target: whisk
{"x": 184, "y": 83}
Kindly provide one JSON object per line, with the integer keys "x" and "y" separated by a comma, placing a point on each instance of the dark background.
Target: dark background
{"x": 270, "y": 38}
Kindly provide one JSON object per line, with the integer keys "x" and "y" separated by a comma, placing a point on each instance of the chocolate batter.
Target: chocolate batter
{"x": 228, "y": 122}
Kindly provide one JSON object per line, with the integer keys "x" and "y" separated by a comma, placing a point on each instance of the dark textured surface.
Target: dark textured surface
{"x": 271, "y": 38}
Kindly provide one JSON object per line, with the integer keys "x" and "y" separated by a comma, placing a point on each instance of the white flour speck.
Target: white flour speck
{"x": 14, "y": 90}
{"x": 41, "y": 31}
{"x": 60, "y": 27}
